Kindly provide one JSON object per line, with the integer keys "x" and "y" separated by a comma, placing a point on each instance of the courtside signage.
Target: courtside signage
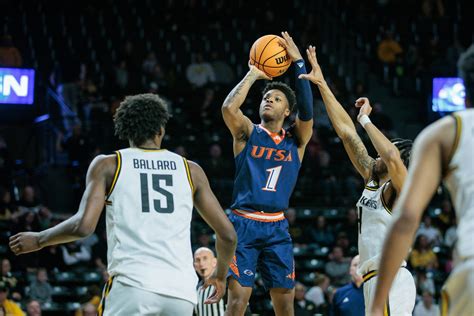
{"x": 17, "y": 85}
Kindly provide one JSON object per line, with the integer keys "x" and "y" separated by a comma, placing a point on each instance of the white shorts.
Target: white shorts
{"x": 458, "y": 291}
{"x": 402, "y": 296}
{"x": 121, "y": 299}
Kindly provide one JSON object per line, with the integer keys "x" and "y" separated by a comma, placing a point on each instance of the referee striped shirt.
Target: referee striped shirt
{"x": 202, "y": 309}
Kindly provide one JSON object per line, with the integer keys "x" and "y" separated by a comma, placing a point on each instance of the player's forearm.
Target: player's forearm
{"x": 395, "y": 250}
{"x": 382, "y": 144}
{"x": 304, "y": 95}
{"x": 67, "y": 231}
{"x": 225, "y": 248}
{"x": 340, "y": 120}
{"x": 236, "y": 97}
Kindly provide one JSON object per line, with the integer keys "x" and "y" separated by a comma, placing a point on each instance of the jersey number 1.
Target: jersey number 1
{"x": 273, "y": 176}
{"x": 156, "y": 182}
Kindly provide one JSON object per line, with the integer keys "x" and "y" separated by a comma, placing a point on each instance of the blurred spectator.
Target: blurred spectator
{"x": 33, "y": 308}
{"x": 322, "y": 234}
{"x": 432, "y": 8}
{"x": 93, "y": 297}
{"x": 45, "y": 217}
{"x": 181, "y": 150}
{"x": 9, "y": 54}
{"x": 296, "y": 230}
{"x": 204, "y": 239}
{"x": 5, "y": 164}
{"x": 158, "y": 77}
{"x": 316, "y": 294}
{"x": 89, "y": 309}
{"x": 40, "y": 289}
{"x": 10, "y": 307}
{"x": 451, "y": 235}
{"x": 431, "y": 233}
{"x": 422, "y": 256}
{"x": 423, "y": 282}
{"x": 215, "y": 165}
{"x": 78, "y": 146}
{"x": 223, "y": 72}
{"x": 349, "y": 299}
{"x": 426, "y": 307}
{"x": 99, "y": 251}
{"x": 350, "y": 226}
{"x": 29, "y": 201}
{"x": 199, "y": 73}
{"x": 149, "y": 63}
{"x": 388, "y": 49}
{"x": 444, "y": 219}
{"x": 302, "y": 306}
{"x": 6, "y": 275}
{"x": 7, "y": 207}
{"x": 337, "y": 268}
{"x": 381, "y": 120}
{"x": 121, "y": 76}
{"x": 74, "y": 253}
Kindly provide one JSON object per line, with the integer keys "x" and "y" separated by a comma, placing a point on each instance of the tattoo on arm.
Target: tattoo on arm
{"x": 236, "y": 92}
{"x": 360, "y": 154}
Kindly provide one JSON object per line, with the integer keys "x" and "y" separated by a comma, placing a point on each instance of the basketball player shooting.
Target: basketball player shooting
{"x": 148, "y": 193}
{"x": 443, "y": 151}
{"x": 267, "y": 159}
{"x": 383, "y": 177}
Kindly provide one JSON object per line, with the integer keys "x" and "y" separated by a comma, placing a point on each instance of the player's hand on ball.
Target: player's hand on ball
{"x": 290, "y": 47}
{"x": 364, "y": 105}
{"x": 219, "y": 285}
{"x": 24, "y": 242}
{"x": 258, "y": 73}
{"x": 315, "y": 75}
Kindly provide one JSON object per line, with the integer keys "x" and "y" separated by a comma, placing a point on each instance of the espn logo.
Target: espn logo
{"x": 17, "y": 85}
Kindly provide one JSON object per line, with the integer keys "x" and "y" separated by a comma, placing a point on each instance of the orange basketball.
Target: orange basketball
{"x": 268, "y": 55}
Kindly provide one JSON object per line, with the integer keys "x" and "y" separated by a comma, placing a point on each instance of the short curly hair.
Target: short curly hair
{"x": 140, "y": 117}
{"x": 287, "y": 91}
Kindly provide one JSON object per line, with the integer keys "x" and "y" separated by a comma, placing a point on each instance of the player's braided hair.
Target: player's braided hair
{"x": 466, "y": 71}
{"x": 140, "y": 117}
{"x": 287, "y": 91}
{"x": 404, "y": 147}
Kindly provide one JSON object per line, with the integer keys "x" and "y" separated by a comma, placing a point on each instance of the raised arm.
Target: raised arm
{"x": 84, "y": 222}
{"x": 239, "y": 125}
{"x": 226, "y": 238}
{"x": 430, "y": 154}
{"x": 340, "y": 120}
{"x": 385, "y": 148}
{"x": 304, "y": 96}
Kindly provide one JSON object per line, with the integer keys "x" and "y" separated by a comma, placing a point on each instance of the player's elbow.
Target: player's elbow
{"x": 83, "y": 230}
{"x": 228, "y": 237}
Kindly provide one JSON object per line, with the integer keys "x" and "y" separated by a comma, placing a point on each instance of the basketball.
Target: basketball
{"x": 268, "y": 55}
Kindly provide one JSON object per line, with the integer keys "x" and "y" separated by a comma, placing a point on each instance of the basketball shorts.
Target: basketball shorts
{"x": 457, "y": 296}
{"x": 121, "y": 299}
{"x": 266, "y": 247}
{"x": 402, "y": 296}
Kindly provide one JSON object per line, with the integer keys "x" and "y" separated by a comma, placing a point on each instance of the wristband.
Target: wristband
{"x": 364, "y": 120}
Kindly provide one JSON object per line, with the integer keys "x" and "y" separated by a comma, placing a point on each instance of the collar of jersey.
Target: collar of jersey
{"x": 276, "y": 137}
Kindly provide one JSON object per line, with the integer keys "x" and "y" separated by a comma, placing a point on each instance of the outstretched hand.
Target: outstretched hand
{"x": 259, "y": 74}
{"x": 219, "y": 291}
{"x": 364, "y": 105}
{"x": 24, "y": 242}
{"x": 290, "y": 47}
{"x": 315, "y": 75}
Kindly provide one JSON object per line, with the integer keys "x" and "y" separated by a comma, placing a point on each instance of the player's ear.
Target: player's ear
{"x": 287, "y": 112}
{"x": 214, "y": 262}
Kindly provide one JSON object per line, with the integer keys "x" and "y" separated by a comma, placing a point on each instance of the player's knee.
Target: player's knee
{"x": 236, "y": 305}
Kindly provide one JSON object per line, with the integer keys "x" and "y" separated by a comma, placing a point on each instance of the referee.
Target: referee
{"x": 205, "y": 263}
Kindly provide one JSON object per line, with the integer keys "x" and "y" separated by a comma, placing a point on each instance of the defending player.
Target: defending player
{"x": 383, "y": 178}
{"x": 148, "y": 193}
{"x": 443, "y": 151}
{"x": 267, "y": 160}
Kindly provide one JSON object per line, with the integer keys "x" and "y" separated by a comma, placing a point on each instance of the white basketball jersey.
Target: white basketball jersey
{"x": 148, "y": 217}
{"x": 374, "y": 218}
{"x": 460, "y": 182}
